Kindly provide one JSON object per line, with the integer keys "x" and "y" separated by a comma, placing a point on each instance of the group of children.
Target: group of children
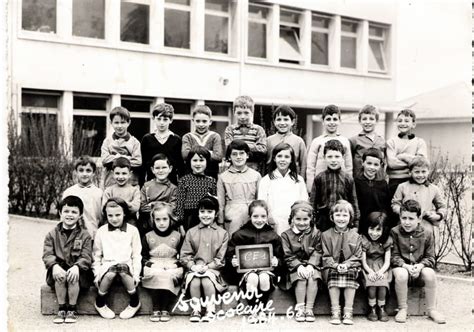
{"x": 168, "y": 219}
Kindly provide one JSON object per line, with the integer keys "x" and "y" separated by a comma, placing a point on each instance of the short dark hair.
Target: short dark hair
{"x": 209, "y": 202}
{"x": 284, "y": 110}
{"x": 407, "y": 112}
{"x": 333, "y": 145}
{"x": 84, "y": 161}
{"x": 113, "y": 202}
{"x": 200, "y": 151}
{"x": 330, "y": 110}
{"x": 73, "y": 201}
{"x": 244, "y": 102}
{"x": 236, "y": 144}
{"x": 120, "y": 111}
{"x": 369, "y": 109}
{"x": 165, "y": 110}
{"x": 121, "y": 162}
{"x": 375, "y": 219}
{"x": 373, "y": 152}
{"x": 411, "y": 205}
{"x": 159, "y": 156}
{"x": 202, "y": 109}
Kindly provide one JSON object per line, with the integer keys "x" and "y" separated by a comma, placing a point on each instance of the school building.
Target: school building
{"x": 72, "y": 61}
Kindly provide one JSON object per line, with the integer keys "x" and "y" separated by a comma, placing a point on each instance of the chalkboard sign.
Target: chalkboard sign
{"x": 254, "y": 256}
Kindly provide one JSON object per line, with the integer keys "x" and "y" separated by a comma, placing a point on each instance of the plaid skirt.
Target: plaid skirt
{"x": 343, "y": 280}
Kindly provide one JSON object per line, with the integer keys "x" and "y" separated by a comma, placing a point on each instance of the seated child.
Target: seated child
{"x": 122, "y": 188}
{"x": 194, "y": 186}
{"x": 301, "y": 246}
{"x": 202, "y": 119}
{"x": 332, "y": 185}
{"x": 88, "y": 192}
{"x": 284, "y": 120}
{"x": 67, "y": 255}
{"x": 117, "y": 255}
{"x": 120, "y": 144}
{"x": 376, "y": 248}
{"x": 367, "y": 139}
{"x": 246, "y": 130}
{"x": 159, "y": 189}
{"x": 236, "y": 187}
{"x": 372, "y": 192}
{"x": 161, "y": 273}
{"x": 282, "y": 186}
{"x": 342, "y": 251}
{"x": 413, "y": 261}
{"x": 203, "y": 255}
{"x": 257, "y": 231}
{"x": 402, "y": 149}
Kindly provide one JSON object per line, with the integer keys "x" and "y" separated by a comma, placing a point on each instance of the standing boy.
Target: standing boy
{"x": 120, "y": 144}
{"x": 246, "y": 130}
{"x": 402, "y": 149}
{"x": 67, "y": 255}
{"x": 202, "y": 120}
{"x": 413, "y": 261}
{"x": 88, "y": 192}
{"x": 332, "y": 185}
{"x": 367, "y": 138}
{"x": 284, "y": 119}
{"x": 316, "y": 162}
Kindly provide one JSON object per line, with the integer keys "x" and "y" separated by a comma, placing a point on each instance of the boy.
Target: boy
{"x": 236, "y": 187}
{"x": 316, "y": 163}
{"x": 413, "y": 260}
{"x": 246, "y": 130}
{"x": 367, "y": 138}
{"x": 120, "y": 144}
{"x": 418, "y": 188}
{"x": 122, "y": 188}
{"x": 202, "y": 136}
{"x": 162, "y": 140}
{"x": 89, "y": 193}
{"x": 67, "y": 255}
{"x": 372, "y": 193}
{"x": 332, "y": 185}
{"x": 284, "y": 120}
{"x": 402, "y": 149}
{"x": 159, "y": 189}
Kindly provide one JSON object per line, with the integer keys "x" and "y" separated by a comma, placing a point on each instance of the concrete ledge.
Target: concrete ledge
{"x": 118, "y": 299}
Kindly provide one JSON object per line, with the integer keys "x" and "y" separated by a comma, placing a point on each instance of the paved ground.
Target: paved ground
{"x": 26, "y": 275}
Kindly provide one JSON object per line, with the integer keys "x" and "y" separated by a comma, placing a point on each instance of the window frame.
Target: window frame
{"x": 263, "y": 21}
{"x": 92, "y": 39}
{"x": 326, "y": 31}
{"x": 218, "y": 13}
{"x": 354, "y": 35}
{"x": 138, "y": 2}
{"x": 383, "y": 42}
{"x": 290, "y": 26}
{"x": 183, "y": 8}
{"x": 42, "y": 35}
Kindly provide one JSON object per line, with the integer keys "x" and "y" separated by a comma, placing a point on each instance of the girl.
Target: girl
{"x": 282, "y": 186}
{"x": 257, "y": 231}
{"x": 376, "y": 246}
{"x": 203, "y": 255}
{"x": 342, "y": 252}
{"x": 116, "y": 254}
{"x": 161, "y": 273}
{"x": 194, "y": 186}
{"x": 301, "y": 246}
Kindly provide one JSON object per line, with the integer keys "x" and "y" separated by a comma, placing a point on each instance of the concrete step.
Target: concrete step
{"x": 283, "y": 301}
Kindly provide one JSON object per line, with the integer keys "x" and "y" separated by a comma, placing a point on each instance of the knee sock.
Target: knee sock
{"x": 62, "y": 307}
{"x": 134, "y": 299}
{"x": 100, "y": 299}
{"x": 72, "y": 307}
{"x": 372, "y": 302}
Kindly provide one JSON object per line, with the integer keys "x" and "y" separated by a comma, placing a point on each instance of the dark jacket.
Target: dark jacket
{"x": 351, "y": 243}
{"x": 416, "y": 247}
{"x": 302, "y": 249}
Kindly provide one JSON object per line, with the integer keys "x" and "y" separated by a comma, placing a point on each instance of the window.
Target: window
{"x": 257, "y": 31}
{"x": 134, "y": 22}
{"x": 320, "y": 39}
{"x": 88, "y": 18}
{"x": 182, "y": 116}
{"x": 139, "y": 109}
{"x": 290, "y": 48}
{"x": 349, "y": 44}
{"x": 39, "y": 15}
{"x": 377, "y": 48}
{"x": 220, "y": 116}
{"x": 216, "y": 26}
{"x": 177, "y": 23}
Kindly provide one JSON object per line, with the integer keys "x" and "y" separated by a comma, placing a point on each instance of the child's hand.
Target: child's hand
{"x": 235, "y": 261}
{"x": 196, "y": 268}
{"x": 72, "y": 275}
{"x": 204, "y": 268}
{"x": 342, "y": 268}
{"x": 372, "y": 276}
{"x": 310, "y": 270}
{"x": 380, "y": 276}
{"x": 431, "y": 216}
{"x": 58, "y": 273}
{"x": 274, "y": 261}
{"x": 302, "y": 272}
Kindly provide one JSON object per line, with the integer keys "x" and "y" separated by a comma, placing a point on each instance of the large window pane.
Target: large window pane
{"x": 257, "y": 41}
{"x": 39, "y": 15}
{"x": 39, "y": 134}
{"x": 134, "y": 22}
{"x": 180, "y": 107}
{"x": 219, "y": 109}
{"x": 289, "y": 45}
{"x": 133, "y": 105}
{"x": 216, "y": 34}
{"x": 319, "y": 48}
{"x": 376, "y": 58}
{"x": 219, "y": 5}
{"x": 177, "y": 28}
{"x": 348, "y": 52}
{"x": 181, "y": 127}
{"x": 89, "y": 103}
{"x": 139, "y": 127}
{"x": 88, "y": 18}
{"x": 39, "y": 100}
{"x": 89, "y": 133}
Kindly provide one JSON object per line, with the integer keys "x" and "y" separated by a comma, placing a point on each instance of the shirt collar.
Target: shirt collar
{"x": 416, "y": 232}
{"x": 247, "y": 125}
{"x": 232, "y": 169}
{"x": 426, "y": 183}
{"x": 338, "y": 232}
{"x": 166, "y": 182}
{"x": 331, "y": 135}
{"x": 62, "y": 229}
{"x": 122, "y": 228}
{"x": 277, "y": 174}
{"x": 126, "y": 137}
{"x": 409, "y": 136}
{"x": 213, "y": 225}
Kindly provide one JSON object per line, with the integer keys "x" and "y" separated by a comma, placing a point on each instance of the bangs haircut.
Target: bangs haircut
{"x": 419, "y": 161}
{"x": 165, "y": 110}
{"x": 201, "y": 152}
{"x": 257, "y": 203}
{"x": 293, "y": 169}
{"x": 84, "y": 161}
{"x": 330, "y": 110}
{"x": 238, "y": 145}
{"x": 407, "y": 112}
{"x": 120, "y": 111}
{"x": 72, "y": 201}
{"x": 121, "y": 162}
{"x": 411, "y": 206}
{"x": 209, "y": 202}
{"x": 159, "y": 156}
{"x": 202, "y": 109}
{"x": 243, "y": 102}
{"x": 284, "y": 110}
{"x": 376, "y": 219}
{"x": 369, "y": 109}
{"x": 158, "y": 206}
{"x": 333, "y": 145}
{"x": 343, "y": 206}
{"x": 374, "y": 153}
{"x": 114, "y": 202}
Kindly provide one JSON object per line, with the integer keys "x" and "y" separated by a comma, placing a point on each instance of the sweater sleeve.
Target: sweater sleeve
{"x": 105, "y": 155}
{"x": 135, "y": 203}
{"x": 302, "y": 158}
{"x": 228, "y": 136}
{"x": 187, "y": 253}
{"x": 396, "y": 258}
{"x": 49, "y": 255}
{"x": 221, "y": 199}
{"x": 422, "y": 149}
{"x": 355, "y": 260}
{"x": 328, "y": 260}
{"x": 144, "y": 208}
{"x": 440, "y": 203}
{"x": 428, "y": 259}
{"x": 136, "y": 254}
{"x": 179, "y": 161}
{"x": 135, "y": 154}
{"x": 217, "y": 152}
{"x": 180, "y": 198}
{"x": 312, "y": 157}
{"x": 186, "y": 146}
{"x": 352, "y": 198}
{"x": 347, "y": 156}
{"x": 392, "y": 159}
{"x": 397, "y": 199}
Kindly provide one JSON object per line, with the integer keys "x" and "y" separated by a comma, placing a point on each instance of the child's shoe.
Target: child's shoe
{"x": 347, "y": 318}
{"x": 105, "y": 311}
{"x": 382, "y": 314}
{"x": 437, "y": 317}
{"x": 309, "y": 316}
{"x": 335, "y": 315}
{"x": 129, "y": 311}
{"x": 195, "y": 316}
{"x": 165, "y": 316}
{"x": 59, "y": 319}
{"x": 71, "y": 317}
{"x": 401, "y": 316}
{"x": 155, "y": 317}
{"x": 372, "y": 316}
{"x": 300, "y": 314}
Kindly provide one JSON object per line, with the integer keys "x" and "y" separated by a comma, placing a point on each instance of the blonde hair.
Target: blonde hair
{"x": 343, "y": 206}
{"x": 163, "y": 206}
